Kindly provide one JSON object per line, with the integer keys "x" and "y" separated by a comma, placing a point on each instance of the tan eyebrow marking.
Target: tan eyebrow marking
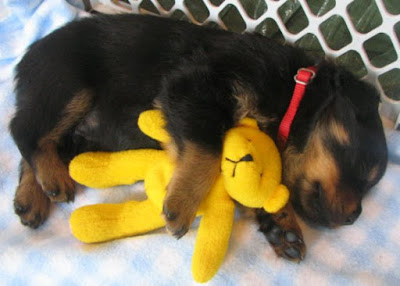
{"x": 339, "y": 132}
{"x": 373, "y": 174}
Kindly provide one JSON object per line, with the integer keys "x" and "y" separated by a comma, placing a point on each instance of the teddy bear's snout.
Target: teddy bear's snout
{"x": 246, "y": 158}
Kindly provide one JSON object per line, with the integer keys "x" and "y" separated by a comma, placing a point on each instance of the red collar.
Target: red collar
{"x": 303, "y": 77}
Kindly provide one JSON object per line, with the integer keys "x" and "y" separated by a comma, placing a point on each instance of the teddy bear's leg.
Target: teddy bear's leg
{"x": 212, "y": 240}
{"x": 103, "y": 222}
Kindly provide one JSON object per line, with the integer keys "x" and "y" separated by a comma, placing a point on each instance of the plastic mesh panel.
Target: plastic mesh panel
{"x": 362, "y": 35}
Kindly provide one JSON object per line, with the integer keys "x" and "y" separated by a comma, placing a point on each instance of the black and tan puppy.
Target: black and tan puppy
{"x": 82, "y": 87}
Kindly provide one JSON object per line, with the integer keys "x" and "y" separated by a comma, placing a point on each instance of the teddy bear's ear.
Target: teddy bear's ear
{"x": 152, "y": 123}
{"x": 248, "y": 122}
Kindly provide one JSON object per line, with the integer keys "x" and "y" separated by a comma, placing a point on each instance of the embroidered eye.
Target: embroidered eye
{"x": 247, "y": 158}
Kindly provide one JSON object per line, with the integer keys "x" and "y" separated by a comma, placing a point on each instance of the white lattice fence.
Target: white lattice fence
{"x": 366, "y": 41}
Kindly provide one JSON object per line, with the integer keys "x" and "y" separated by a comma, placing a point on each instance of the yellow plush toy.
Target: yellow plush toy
{"x": 250, "y": 175}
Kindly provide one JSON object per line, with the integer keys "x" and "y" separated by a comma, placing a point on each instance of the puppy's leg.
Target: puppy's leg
{"x": 30, "y": 203}
{"x": 38, "y": 136}
{"x": 51, "y": 172}
{"x": 283, "y": 233}
{"x": 199, "y": 109}
{"x": 194, "y": 176}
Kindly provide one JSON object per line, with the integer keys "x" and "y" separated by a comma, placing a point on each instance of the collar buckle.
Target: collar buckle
{"x": 303, "y": 70}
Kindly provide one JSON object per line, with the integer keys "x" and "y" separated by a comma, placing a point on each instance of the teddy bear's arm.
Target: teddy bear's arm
{"x": 108, "y": 169}
{"x": 152, "y": 123}
{"x": 212, "y": 239}
{"x": 104, "y": 222}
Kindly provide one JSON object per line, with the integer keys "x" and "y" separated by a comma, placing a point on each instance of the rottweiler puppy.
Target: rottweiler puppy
{"x": 83, "y": 86}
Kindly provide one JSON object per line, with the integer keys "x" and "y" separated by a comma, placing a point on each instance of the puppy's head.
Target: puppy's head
{"x": 336, "y": 150}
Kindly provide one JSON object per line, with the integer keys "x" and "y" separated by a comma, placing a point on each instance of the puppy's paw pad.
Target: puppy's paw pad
{"x": 292, "y": 237}
{"x": 287, "y": 244}
{"x": 293, "y": 253}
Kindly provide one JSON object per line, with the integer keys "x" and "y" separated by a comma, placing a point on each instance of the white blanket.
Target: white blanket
{"x": 367, "y": 253}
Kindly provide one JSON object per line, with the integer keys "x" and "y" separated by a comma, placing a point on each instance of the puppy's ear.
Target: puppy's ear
{"x": 363, "y": 96}
{"x": 360, "y": 100}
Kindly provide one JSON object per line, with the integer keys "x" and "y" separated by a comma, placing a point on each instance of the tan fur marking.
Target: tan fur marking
{"x": 29, "y": 196}
{"x": 340, "y": 133}
{"x": 316, "y": 163}
{"x": 247, "y": 106}
{"x": 27, "y": 176}
{"x": 321, "y": 167}
{"x": 198, "y": 166}
{"x": 46, "y": 162}
{"x": 51, "y": 173}
{"x": 75, "y": 110}
{"x": 286, "y": 220}
{"x": 373, "y": 174}
{"x": 195, "y": 173}
{"x": 172, "y": 150}
{"x": 292, "y": 164}
{"x": 156, "y": 104}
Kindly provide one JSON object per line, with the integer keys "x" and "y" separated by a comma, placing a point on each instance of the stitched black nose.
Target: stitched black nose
{"x": 352, "y": 218}
{"x": 247, "y": 158}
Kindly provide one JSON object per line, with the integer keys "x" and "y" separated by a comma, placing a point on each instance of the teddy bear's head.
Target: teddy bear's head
{"x": 251, "y": 165}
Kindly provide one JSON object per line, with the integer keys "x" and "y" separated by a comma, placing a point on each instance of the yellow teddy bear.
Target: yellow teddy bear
{"x": 250, "y": 175}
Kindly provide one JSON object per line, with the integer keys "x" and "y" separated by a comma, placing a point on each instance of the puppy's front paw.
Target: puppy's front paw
{"x": 286, "y": 243}
{"x": 195, "y": 173}
{"x": 179, "y": 213}
{"x": 57, "y": 184}
{"x": 283, "y": 233}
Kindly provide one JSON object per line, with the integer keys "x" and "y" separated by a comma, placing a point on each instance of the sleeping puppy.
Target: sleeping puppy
{"x": 82, "y": 88}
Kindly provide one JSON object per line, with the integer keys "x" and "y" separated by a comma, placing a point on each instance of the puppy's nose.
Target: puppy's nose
{"x": 352, "y": 218}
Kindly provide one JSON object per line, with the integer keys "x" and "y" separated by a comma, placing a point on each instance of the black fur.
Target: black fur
{"x": 128, "y": 61}
{"x": 131, "y": 61}
{"x": 354, "y": 104}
